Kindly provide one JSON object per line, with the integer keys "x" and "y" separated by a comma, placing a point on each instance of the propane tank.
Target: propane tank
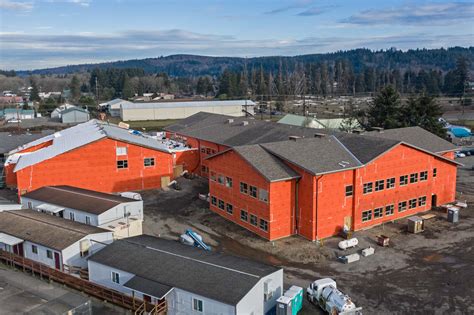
{"x": 345, "y": 244}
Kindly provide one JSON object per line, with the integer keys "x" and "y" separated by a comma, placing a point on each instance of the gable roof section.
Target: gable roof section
{"x": 268, "y": 165}
{"x": 416, "y": 136}
{"x": 76, "y": 198}
{"x": 315, "y": 155}
{"x": 44, "y": 229}
{"x": 214, "y": 275}
{"x": 10, "y": 141}
{"x": 365, "y": 149}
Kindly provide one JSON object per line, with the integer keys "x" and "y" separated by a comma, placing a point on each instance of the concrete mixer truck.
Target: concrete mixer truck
{"x": 324, "y": 293}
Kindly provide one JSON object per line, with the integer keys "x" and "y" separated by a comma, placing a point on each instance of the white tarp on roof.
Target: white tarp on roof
{"x": 50, "y": 208}
{"x": 9, "y": 240}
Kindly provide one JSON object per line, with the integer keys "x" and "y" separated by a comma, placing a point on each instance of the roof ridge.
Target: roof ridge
{"x": 83, "y": 194}
{"x": 347, "y": 150}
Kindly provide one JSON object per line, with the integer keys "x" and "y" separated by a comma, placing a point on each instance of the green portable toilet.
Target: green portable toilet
{"x": 291, "y": 302}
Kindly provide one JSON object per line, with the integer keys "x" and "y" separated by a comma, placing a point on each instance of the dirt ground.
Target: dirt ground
{"x": 426, "y": 273}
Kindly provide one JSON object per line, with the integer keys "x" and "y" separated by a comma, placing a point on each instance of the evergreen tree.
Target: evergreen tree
{"x": 34, "y": 94}
{"x": 385, "y": 109}
{"x": 75, "y": 87}
{"x": 422, "y": 111}
{"x": 127, "y": 89}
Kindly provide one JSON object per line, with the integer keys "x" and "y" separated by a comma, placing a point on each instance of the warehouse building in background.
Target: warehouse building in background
{"x": 178, "y": 109}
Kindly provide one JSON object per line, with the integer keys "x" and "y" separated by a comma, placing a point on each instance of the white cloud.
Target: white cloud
{"x": 16, "y": 5}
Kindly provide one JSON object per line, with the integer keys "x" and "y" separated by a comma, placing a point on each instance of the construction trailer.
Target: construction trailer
{"x": 123, "y": 216}
{"x": 50, "y": 240}
{"x": 191, "y": 280}
{"x": 278, "y": 180}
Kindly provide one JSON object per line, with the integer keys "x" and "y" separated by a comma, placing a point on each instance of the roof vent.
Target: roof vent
{"x": 245, "y": 123}
{"x": 230, "y": 120}
{"x": 379, "y": 129}
{"x": 294, "y": 138}
{"x": 319, "y": 135}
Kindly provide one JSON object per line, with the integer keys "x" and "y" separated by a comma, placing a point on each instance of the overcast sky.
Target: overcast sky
{"x": 46, "y": 33}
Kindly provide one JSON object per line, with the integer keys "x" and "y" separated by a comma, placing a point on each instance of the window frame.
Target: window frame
{"x": 392, "y": 210}
{"x": 264, "y": 223}
{"x": 402, "y": 206}
{"x": 244, "y": 188}
{"x": 88, "y": 220}
{"x": 413, "y": 178}
{"x": 435, "y": 172}
{"x": 122, "y": 164}
{"x": 403, "y": 180}
{"x": 49, "y": 254}
{"x": 214, "y": 201}
{"x": 221, "y": 179}
{"x": 115, "y": 276}
{"x": 34, "y": 249}
{"x": 253, "y": 189}
{"x": 263, "y": 196}
{"x": 151, "y": 161}
{"x": 367, "y": 214}
{"x": 390, "y": 183}
{"x": 422, "y": 201}
{"x": 349, "y": 191}
{"x": 72, "y": 216}
{"x": 212, "y": 176}
{"x": 423, "y": 176}
{"x": 379, "y": 185}
{"x": 368, "y": 188}
{"x": 380, "y": 211}
{"x": 244, "y": 213}
{"x": 199, "y": 306}
{"x": 227, "y": 208}
{"x": 253, "y": 216}
{"x": 219, "y": 202}
{"x": 412, "y": 203}
{"x": 119, "y": 152}
{"x": 229, "y": 182}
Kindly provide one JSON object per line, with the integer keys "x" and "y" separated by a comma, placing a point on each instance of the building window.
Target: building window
{"x": 378, "y": 213}
{"x": 253, "y": 219}
{"x": 121, "y": 150}
{"x": 204, "y": 169}
{"x": 229, "y": 208}
{"x": 349, "y": 190}
{"x": 263, "y": 195}
{"x": 220, "y": 179}
{"x": 413, "y": 178}
{"x": 366, "y": 215}
{"x": 423, "y": 176}
{"x": 197, "y": 305}
{"x": 213, "y": 201}
{"x": 244, "y": 188}
{"x": 213, "y": 176}
{"x": 208, "y": 151}
{"x": 243, "y": 215}
{"x": 253, "y": 191}
{"x": 203, "y": 150}
{"x": 49, "y": 254}
{"x": 379, "y": 185}
{"x": 435, "y": 172}
{"x": 228, "y": 182}
{"x": 390, "y": 182}
{"x": 389, "y": 210}
{"x": 422, "y": 201}
{"x": 71, "y": 216}
{"x": 149, "y": 162}
{"x": 402, "y": 206}
{"x": 88, "y": 220}
{"x": 221, "y": 205}
{"x": 403, "y": 180}
{"x": 412, "y": 204}
{"x": 367, "y": 188}
{"x": 115, "y": 277}
{"x": 264, "y": 225}
{"x": 122, "y": 164}
{"x": 34, "y": 249}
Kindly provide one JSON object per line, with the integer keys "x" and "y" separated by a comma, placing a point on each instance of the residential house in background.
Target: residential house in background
{"x": 17, "y": 114}
{"x": 191, "y": 280}
{"x": 123, "y": 216}
{"x": 50, "y": 240}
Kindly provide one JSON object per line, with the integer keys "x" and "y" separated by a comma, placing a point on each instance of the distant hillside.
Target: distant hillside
{"x": 192, "y": 65}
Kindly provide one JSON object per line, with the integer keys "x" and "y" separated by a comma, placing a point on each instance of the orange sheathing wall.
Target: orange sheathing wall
{"x": 402, "y": 160}
{"x": 189, "y": 159}
{"x": 332, "y": 204}
{"x": 10, "y": 178}
{"x": 277, "y": 213}
{"x": 448, "y": 155}
{"x": 94, "y": 167}
{"x": 37, "y": 147}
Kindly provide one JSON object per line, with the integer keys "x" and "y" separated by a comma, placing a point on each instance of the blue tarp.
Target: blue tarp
{"x": 460, "y": 132}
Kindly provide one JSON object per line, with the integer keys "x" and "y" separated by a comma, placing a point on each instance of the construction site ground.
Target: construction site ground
{"x": 425, "y": 273}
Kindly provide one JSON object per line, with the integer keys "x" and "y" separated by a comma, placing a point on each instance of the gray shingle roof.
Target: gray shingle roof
{"x": 416, "y": 136}
{"x": 149, "y": 287}
{"x": 76, "y": 198}
{"x": 44, "y": 229}
{"x": 10, "y": 141}
{"x": 214, "y": 275}
{"x": 316, "y": 155}
{"x": 367, "y": 148}
{"x": 267, "y": 164}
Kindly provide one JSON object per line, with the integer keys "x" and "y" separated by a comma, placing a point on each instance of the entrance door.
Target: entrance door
{"x": 434, "y": 200}
{"x": 348, "y": 222}
{"x": 57, "y": 261}
{"x": 18, "y": 249}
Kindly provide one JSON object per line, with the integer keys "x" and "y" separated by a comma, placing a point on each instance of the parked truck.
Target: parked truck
{"x": 324, "y": 293}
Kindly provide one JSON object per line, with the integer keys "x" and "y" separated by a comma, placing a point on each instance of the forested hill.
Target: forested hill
{"x": 192, "y": 65}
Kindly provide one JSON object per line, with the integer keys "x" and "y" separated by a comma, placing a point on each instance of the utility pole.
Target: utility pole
{"x": 96, "y": 93}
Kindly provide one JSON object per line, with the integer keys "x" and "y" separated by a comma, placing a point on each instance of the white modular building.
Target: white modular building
{"x": 182, "y": 109}
{"x": 191, "y": 280}
{"x": 50, "y": 240}
{"x": 123, "y": 216}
